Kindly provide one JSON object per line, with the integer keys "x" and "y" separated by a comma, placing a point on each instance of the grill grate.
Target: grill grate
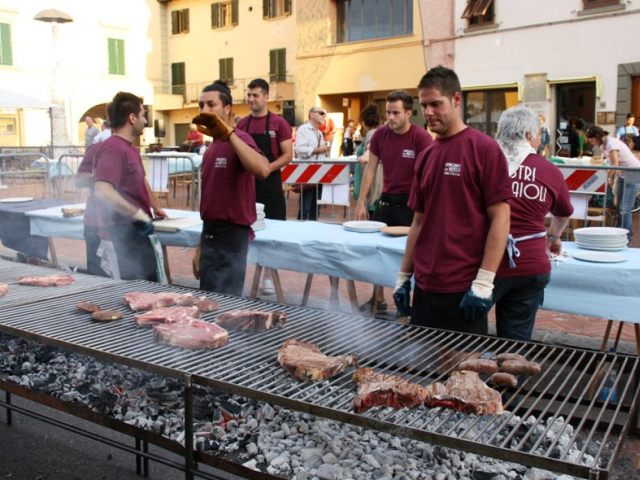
{"x": 572, "y": 424}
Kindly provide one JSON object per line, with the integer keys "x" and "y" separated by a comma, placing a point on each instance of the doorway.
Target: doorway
{"x": 575, "y": 104}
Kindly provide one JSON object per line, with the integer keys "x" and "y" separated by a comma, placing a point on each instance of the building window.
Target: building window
{"x": 224, "y": 14}
{"x": 278, "y": 65}
{"x": 368, "y": 19}
{"x": 589, "y": 4}
{"x": 482, "y": 109}
{"x": 179, "y": 21}
{"x": 6, "y": 55}
{"x": 479, "y": 13}
{"x": 226, "y": 69}
{"x": 116, "y": 56}
{"x": 276, "y": 8}
{"x": 178, "y": 79}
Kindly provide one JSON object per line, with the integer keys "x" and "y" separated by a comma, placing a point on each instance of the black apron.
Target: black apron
{"x": 269, "y": 191}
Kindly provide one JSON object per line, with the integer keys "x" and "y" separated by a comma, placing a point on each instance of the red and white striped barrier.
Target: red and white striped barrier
{"x": 316, "y": 173}
{"x": 585, "y": 181}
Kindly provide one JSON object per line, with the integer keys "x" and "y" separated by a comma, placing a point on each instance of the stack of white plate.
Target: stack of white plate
{"x": 259, "y": 224}
{"x": 601, "y": 238}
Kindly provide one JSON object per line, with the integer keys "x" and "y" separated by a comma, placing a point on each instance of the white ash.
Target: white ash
{"x": 270, "y": 438}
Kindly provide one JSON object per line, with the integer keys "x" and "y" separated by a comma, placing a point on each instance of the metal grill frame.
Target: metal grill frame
{"x": 248, "y": 366}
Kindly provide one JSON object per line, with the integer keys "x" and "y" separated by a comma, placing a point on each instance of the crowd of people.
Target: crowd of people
{"x": 475, "y": 207}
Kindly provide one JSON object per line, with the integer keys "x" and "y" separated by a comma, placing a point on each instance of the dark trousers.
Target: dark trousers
{"x": 517, "y": 301}
{"x": 442, "y": 310}
{"x": 92, "y": 242}
{"x": 310, "y": 203}
{"x": 393, "y": 210}
{"x": 223, "y": 259}
{"x": 136, "y": 257}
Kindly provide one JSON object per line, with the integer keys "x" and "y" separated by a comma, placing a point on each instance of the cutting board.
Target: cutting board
{"x": 176, "y": 224}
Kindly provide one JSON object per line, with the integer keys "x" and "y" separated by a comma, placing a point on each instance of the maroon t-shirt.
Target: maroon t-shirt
{"x": 118, "y": 162}
{"x": 398, "y": 154}
{"x": 279, "y": 130}
{"x": 228, "y": 189}
{"x": 456, "y": 179}
{"x": 538, "y": 188}
{"x": 86, "y": 166}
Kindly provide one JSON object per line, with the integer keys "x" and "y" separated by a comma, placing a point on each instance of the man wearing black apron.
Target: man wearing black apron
{"x": 273, "y": 137}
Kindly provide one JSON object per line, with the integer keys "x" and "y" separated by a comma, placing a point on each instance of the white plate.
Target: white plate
{"x": 601, "y": 249}
{"x": 600, "y": 257}
{"x": 600, "y": 231}
{"x": 259, "y": 207}
{"x": 16, "y": 199}
{"x": 363, "y": 226}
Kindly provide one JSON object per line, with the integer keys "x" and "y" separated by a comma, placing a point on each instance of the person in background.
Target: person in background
{"x": 328, "y": 129}
{"x": 618, "y": 154}
{"x": 122, "y": 194}
{"x": 228, "y": 207}
{"x": 347, "y": 142}
{"x": 195, "y": 139}
{"x": 461, "y": 224}
{"x": 628, "y": 131}
{"x": 310, "y": 145}
{"x": 370, "y": 120}
{"x": 272, "y": 135}
{"x": 104, "y": 134}
{"x": 573, "y": 137}
{"x": 581, "y": 137}
{"x": 538, "y": 188}
{"x": 90, "y": 132}
{"x": 545, "y": 139}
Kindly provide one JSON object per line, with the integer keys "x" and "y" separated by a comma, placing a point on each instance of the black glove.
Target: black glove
{"x": 402, "y": 299}
{"x": 144, "y": 229}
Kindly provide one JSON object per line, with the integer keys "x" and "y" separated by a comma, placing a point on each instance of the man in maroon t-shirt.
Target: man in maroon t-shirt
{"x": 538, "y": 188}
{"x": 122, "y": 193}
{"x": 461, "y": 223}
{"x": 228, "y": 204}
{"x": 397, "y": 146}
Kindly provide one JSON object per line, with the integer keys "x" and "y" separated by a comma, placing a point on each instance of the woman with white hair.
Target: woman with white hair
{"x": 538, "y": 188}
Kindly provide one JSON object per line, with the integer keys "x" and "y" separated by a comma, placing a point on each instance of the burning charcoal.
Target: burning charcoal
{"x": 229, "y": 407}
{"x": 217, "y": 432}
{"x": 157, "y": 383}
{"x": 216, "y": 417}
{"x": 152, "y": 410}
{"x": 167, "y": 398}
{"x": 213, "y": 446}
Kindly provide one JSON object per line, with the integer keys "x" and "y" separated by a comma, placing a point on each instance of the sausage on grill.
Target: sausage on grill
{"x": 503, "y": 357}
{"x": 479, "y": 365}
{"x": 504, "y": 379}
{"x": 107, "y": 315}
{"x": 88, "y": 307}
{"x": 518, "y": 366}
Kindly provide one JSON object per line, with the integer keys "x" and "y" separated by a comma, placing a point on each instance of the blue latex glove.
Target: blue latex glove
{"x": 479, "y": 298}
{"x": 402, "y": 299}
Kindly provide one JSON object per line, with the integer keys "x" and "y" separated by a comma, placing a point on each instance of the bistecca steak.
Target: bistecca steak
{"x": 143, "y": 301}
{"x": 47, "y": 281}
{"x": 4, "y": 288}
{"x": 465, "y": 392}
{"x": 383, "y": 390}
{"x": 195, "y": 335}
{"x": 167, "y": 315}
{"x": 251, "y": 321}
{"x": 305, "y": 361}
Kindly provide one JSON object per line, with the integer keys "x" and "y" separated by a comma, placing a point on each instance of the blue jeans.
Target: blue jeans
{"x": 626, "y": 197}
{"x": 310, "y": 203}
{"x": 517, "y": 300}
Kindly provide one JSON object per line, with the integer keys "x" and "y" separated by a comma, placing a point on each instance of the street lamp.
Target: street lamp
{"x": 59, "y": 135}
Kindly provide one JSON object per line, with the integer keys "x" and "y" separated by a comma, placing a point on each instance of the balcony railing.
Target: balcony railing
{"x": 277, "y": 90}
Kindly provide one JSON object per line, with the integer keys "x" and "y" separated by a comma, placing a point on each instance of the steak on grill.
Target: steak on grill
{"x": 47, "y": 281}
{"x": 305, "y": 361}
{"x": 167, "y": 315}
{"x": 4, "y": 288}
{"x": 195, "y": 335}
{"x": 252, "y": 321}
{"x": 382, "y": 390}
{"x": 465, "y": 392}
{"x": 143, "y": 301}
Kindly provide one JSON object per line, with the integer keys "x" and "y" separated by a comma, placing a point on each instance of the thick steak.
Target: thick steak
{"x": 4, "y": 288}
{"x": 143, "y": 301}
{"x": 252, "y": 321}
{"x": 47, "y": 281}
{"x": 195, "y": 335}
{"x": 466, "y": 393}
{"x": 382, "y": 390}
{"x": 167, "y": 315}
{"x": 305, "y": 361}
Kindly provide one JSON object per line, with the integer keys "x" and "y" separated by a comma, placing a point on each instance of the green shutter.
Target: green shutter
{"x": 282, "y": 65}
{"x": 230, "y": 70}
{"x": 185, "y": 20}
{"x": 222, "y": 67}
{"x": 234, "y": 12}
{"x": 6, "y": 54}
{"x": 175, "y": 26}
{"x": 116, "y": 56}
{"x": 273, "y": 65}
{"x": 120, "y": 53}
{"x": 287, "y": 7}
{"x": 215, "y": 14}
{"x": 266, "y": 11}
{"x": 178, "y": 79}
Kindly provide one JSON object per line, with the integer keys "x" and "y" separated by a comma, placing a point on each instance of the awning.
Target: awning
{"x": 496, "y": 86}
{"x": 16, "y": 100}
{"x": 558, "y": 81}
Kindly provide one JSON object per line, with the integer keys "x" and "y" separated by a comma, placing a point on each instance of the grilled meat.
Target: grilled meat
{"x": 252, "y": 321}
{"x": 466, "y": 393}
{"x": 107, "y": 315}
{"x": 47, "y": 281}
{"x": 503, "y": 357}
{"x": 88, "y": 307}
{"x": 504, "y": 379}
{"x": 143, "y": 301}
{"x": 382, "y": 390}
{"x": 479, "y": 365}
{"x": 518, "y": 366}
{"x": 195, "y": 335}
{"x": 305, "y": 361}
{"x": 4, "y": 288}
{"x": 167, "y": 315}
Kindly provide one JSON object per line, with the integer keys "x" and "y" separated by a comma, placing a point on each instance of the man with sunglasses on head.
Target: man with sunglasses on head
{"x": 310, "y": 145}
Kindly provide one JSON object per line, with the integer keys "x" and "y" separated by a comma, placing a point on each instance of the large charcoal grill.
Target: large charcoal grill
{"x": 248, "y": 366}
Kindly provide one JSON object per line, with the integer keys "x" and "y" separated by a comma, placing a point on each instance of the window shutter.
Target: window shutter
{"x": 6, "y": 54}
{"x": 113, "y": 59}
{"x": 234, "y": 12}
{"x": 174, "y": 23}
{"x": 178, "y": 79}
{"x": 266, "y": 11}
{"x": 185, "y": 20}
{"x": 223, "y": 68}
{"x": 282, "y": 65}
{"x": 230, "y": 70}
{"x": 287, "y": 7}
{"x": 273, "y": 65}
{"x": 215, "y": 15}
{"x": 120, "y": 54}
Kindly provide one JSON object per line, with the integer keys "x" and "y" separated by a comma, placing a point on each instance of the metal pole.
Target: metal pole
{"x": 188, "y": 429}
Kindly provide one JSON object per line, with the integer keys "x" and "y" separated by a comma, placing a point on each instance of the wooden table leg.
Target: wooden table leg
{"x": 256, "y": 282}
{"x": 607, "y": 332}
{"x": 278, "y": 286}
{"x": 52, "y": 251}
{"x": 166, "y": 264}
{"x": 334, "y": 297}
{"x": 353, "y": 297}
{"x": 617, "y": 340}
{"x": 307, "y": 289}
{"x": 637, "y": 328}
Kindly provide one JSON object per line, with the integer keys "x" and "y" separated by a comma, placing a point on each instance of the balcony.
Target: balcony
{"x": 277, "y": 90}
